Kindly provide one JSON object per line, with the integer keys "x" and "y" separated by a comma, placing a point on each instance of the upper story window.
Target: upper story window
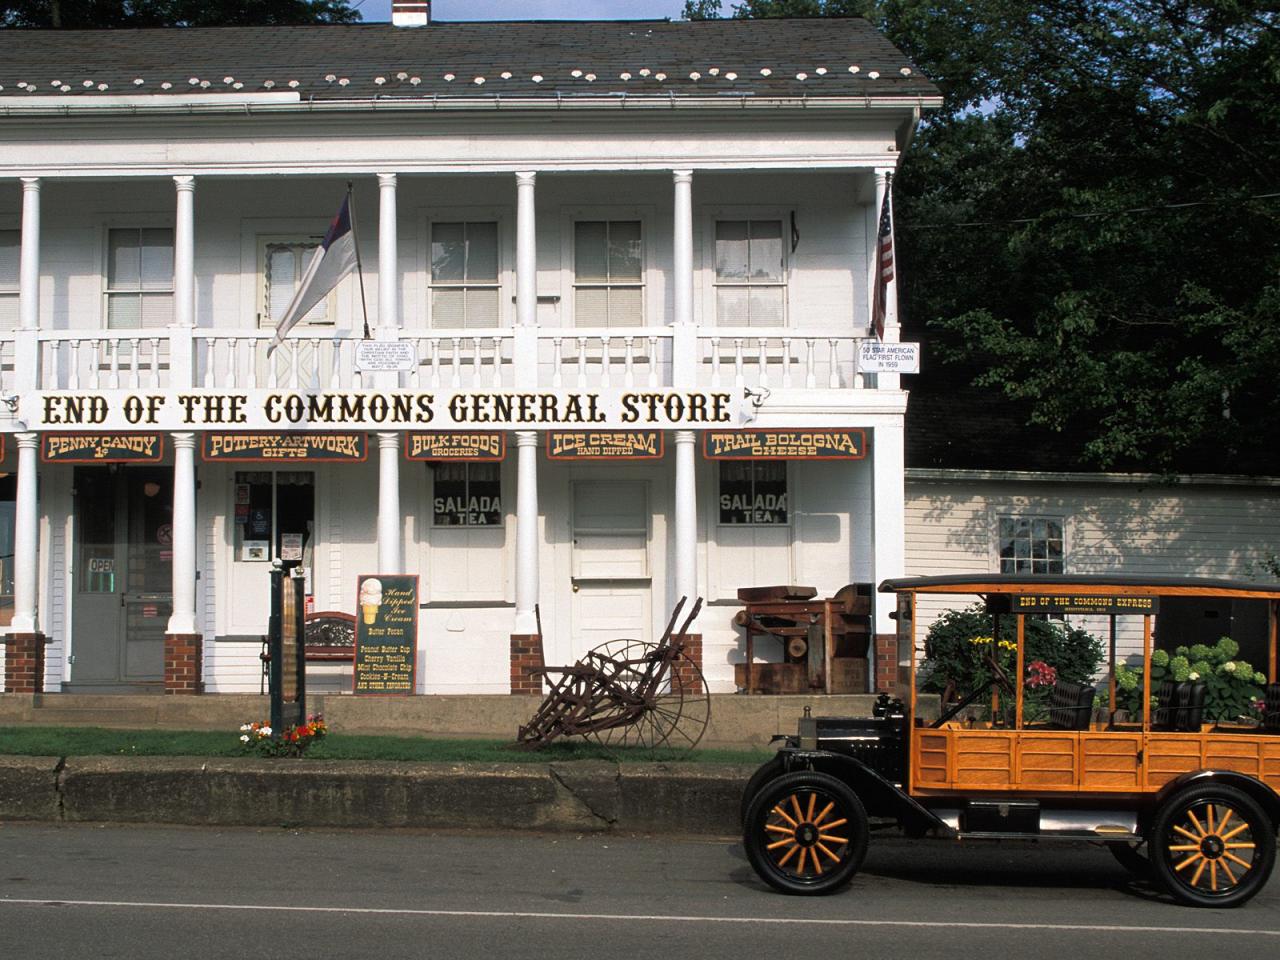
{"x": 10, "y": 246}
{"x": 1030, "y": 544}
{"x": 751, "y": 278}
{"x": 608, "y": 273}
{"x": 465, "y": 284}
{"x": 139, "y": 277}
{"x": 284, "y": 261}
{"x": 753, "y": 492}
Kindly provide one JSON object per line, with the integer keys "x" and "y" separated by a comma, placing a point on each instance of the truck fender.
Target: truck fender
{"x": 881, "y": 797}
{"x": 1259, "y": 791}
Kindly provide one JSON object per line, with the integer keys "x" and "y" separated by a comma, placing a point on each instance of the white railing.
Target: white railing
{"x": 463, "y": 360}
{"x": 238, "y": 360}
{"x": 7, "y": 359}
{"x": 754, "y": 357}
{"x": 578, "y": 358}
{"x": 103, "y": 359}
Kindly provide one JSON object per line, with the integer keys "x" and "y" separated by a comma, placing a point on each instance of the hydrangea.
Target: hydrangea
{"x": 1160, "y": 658}
{"x": 1200, "y": 668}
{"x": 1181, "y": 668}
{"x": 1228, "y": 647}
{"x": 1193, "y": 675}
{"x": 1259, "y": 677}
{"x": 1229, "y": 666}
{"x": 1198, "y": 651}
{"x": 1127, "y": 680}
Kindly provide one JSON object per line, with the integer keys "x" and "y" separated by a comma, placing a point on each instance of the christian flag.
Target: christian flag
{"x": 884, "y": 260}
{"x": 333, "y": 260}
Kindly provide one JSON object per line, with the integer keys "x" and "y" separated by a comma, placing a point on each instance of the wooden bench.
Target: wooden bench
{"x": 330, "y": 637}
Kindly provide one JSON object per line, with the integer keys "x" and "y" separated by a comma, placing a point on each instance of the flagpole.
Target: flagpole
{"x": 355, "y": 239}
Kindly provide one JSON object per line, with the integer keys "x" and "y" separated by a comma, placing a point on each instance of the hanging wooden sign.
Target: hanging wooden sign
{"x": 276, "y": 447}
{"x": 102, "y": 447}
{"x": 784, "y": 444}
{"x": 456, "y": 446}
{"x": 1064, "y": 603}
{"x": 605, "y": 445}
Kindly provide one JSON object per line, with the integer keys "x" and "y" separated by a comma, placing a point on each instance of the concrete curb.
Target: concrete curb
{"x": 596, "y": 796}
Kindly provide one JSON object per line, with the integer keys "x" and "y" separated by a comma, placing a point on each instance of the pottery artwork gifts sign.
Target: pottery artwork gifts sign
{"x": 386, "y": 634}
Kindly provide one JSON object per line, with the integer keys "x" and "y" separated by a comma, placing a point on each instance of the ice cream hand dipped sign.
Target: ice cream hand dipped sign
{"x": 386, "y": 633}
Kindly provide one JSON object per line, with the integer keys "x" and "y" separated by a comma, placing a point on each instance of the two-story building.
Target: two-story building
{"x": 620, "y": 274}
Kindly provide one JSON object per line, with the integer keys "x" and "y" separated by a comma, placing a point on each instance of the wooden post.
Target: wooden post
{"x": 1022, "y": 636}
{"x": 827, "y": 641}
{"x": 1146, "y": 673}
{"x": 1273, "y": 609}
{"x": 1111, "y": 698}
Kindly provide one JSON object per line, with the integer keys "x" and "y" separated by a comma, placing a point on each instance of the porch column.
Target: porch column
{"x": 389, "y": 520}
{"x": 183, "y": 644}
{"x": 388, "y": 267}
{"x": 24, "y": 647}
{"x": 684, "y": 355}
{"x": 526, "y": 252}
{"x": 29, "y": 256}
{"x": 889, "y": 548}
{"x": 686, "y": 552}
{"x": 184, "y": 253}
{"x": 526, "y": 532}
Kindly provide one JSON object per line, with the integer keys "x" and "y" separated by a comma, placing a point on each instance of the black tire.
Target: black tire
{"x": 785, "y": 831}
{"x": 1212, "y": 845}
{"x": 1133, "y": 857}
{"x": 769, "y": 770}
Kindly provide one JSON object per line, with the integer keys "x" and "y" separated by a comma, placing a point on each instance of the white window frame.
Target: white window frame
{"x": 1031, "y": 513}
{"x": 506, "y": 270}
{"x": 788, "y": 477}
{"x": 10, "y": 293}
{"x": 307, "y": 244}
{"x": 141, "y": 221}
{"x": 570, "y": 217}
{"x": 707, "y": 270}
{"x": 255, "y": 234}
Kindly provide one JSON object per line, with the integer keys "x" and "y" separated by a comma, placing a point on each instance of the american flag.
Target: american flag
{"x": 884, "y": 260}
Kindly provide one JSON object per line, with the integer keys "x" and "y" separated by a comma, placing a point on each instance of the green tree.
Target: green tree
{"x": 1089, "y": 228}
{"x": 98, "y": 14}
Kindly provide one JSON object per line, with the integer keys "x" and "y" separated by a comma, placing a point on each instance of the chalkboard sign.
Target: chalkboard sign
{"x": 386, "y": 633}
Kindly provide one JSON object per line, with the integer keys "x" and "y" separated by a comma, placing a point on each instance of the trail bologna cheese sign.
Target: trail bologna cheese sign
{"x": 784, "y": 444}
{"x": 465, "y": 447}
{"x": 605, "y": 445}
{"x": 102, "y": 448}
{"x": 371, "y": 410}
{"x": 275, "y": 447}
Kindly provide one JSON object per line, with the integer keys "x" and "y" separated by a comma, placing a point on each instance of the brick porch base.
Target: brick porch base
{"x": 24, "y": 663}
{"x": 183, "y": 653}
{"x": 886, "y": 663}
{"x": 526, "y": 657}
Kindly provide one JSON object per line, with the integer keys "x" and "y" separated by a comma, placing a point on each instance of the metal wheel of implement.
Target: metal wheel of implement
{"x": 671, "y": 715}
{"x": 1212, "y": 845}
{"x": 806, "y": 833}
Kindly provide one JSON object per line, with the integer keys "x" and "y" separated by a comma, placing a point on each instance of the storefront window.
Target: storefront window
{"x": 8, "y": 494}
{"x": 753, "y": 492}
{"x": 466, "y": 494}
{"x": 275, "y": 515}
{"x": 1031, "y": 545}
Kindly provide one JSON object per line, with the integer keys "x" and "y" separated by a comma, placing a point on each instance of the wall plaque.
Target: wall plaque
{"x": 470, "y": 447}
{"x": 605, "y": 445}
{"x": 102, "y": 447}
{"x": 784, "y": 444}
{"x": 275, "y": 447}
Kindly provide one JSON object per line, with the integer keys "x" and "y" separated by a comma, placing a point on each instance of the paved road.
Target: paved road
{"x": 76, "y": 891}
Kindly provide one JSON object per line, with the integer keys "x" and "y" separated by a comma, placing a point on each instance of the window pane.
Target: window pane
{"x": 10, "y": 248}
{"x": 766, "y": 249}
{"x": 624, "y": 250}
{"x": 482, "y": 308}
{"x": 753, "y": 492}
{"x": 448, "y": 253}
{"x": 124, "y": 311}
{"x": 625, "y": 307}
{"x": 591, "y": 306}
{"x": 731, "y": 250}
{"x": 482, "y": 251}
{"x": 123, "y": 259}
{"x": 732, "y": 306}
{"x": 282, "y": 279}
{"x": 735, "y": 492}
{"x": 156, "y": 256}
{"x": 8, "y": 312}
{"x": 484, "y": 499}
{"x": 766, "y": 306}
{"x": 770, "y": 503}
{"x": 157, "y": 310}
{"x": 448, "y": 308}
{"x": 590, "y": 264}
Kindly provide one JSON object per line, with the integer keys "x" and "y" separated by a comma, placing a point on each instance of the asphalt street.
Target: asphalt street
{"x": 72, "y": 891}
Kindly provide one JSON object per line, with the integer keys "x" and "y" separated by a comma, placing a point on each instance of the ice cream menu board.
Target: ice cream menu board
{"x": 386, "y": 633}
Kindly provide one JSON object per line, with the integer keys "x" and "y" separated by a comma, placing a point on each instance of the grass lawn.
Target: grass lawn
{"x": 36, "y": 741}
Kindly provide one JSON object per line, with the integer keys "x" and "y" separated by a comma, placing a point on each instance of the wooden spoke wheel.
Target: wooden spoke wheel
{"x": 805, "y": 833}
{"x": 670, "y": 714}
{"x": 1212, "y": 845}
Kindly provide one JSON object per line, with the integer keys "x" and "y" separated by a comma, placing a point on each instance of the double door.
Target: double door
{"x": 123, "y": 576}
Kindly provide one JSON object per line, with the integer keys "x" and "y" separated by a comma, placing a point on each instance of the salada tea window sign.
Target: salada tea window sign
{"x": 753, "y": 492}
{"x": 466, "y": 494}
{"x": 386, "y": 633}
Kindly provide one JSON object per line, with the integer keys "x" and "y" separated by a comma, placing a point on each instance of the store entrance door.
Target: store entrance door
{"x": 123, "y": 577}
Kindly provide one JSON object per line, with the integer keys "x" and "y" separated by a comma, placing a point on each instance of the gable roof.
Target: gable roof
{"x": 806, "y": 59}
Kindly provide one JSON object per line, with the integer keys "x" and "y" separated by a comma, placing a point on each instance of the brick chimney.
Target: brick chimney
{"x": 410, "y": 13}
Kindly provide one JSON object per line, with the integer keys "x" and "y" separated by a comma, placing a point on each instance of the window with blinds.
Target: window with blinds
{"x": 284, "y": 261}
{"x": 751, "y": 279}
{"x": 465, "y": 287}
{"x": 608, "y": 267}
{"x": 10, "y": 245}
{"x": 139, "y": 278}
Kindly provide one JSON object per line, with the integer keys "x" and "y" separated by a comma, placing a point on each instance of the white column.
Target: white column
{"x": 184, "y": 253}
{"x": 686, "y": 523}
{"x": 388, "y": 267}
{"x": 26, "y": 537}
{"x": 29, "y": 258}
{"x": 682, "y": 247}
{"x": 526, "y": 252}
{"x": 390, "y": 559}
{"x": 884, "y": 381}
{"x": 526, "y": 531}
{"x": 183, "y": 620}
{"x": 889, "y": 500}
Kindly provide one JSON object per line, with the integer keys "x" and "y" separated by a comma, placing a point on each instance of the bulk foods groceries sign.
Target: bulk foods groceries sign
{"x": 262, "y": 410}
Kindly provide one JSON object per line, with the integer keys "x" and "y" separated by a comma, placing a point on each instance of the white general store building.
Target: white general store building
{"x": 660, "y": 230}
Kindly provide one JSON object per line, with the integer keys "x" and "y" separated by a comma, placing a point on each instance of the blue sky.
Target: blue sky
{"x": 375, "y": 10}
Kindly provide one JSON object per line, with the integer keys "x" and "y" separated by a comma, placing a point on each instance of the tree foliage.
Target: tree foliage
{"x": 1084, "y": 227}
{"x": 99, "y": 14}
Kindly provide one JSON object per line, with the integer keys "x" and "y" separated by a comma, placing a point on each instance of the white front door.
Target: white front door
{"x": 610, "y": 536}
